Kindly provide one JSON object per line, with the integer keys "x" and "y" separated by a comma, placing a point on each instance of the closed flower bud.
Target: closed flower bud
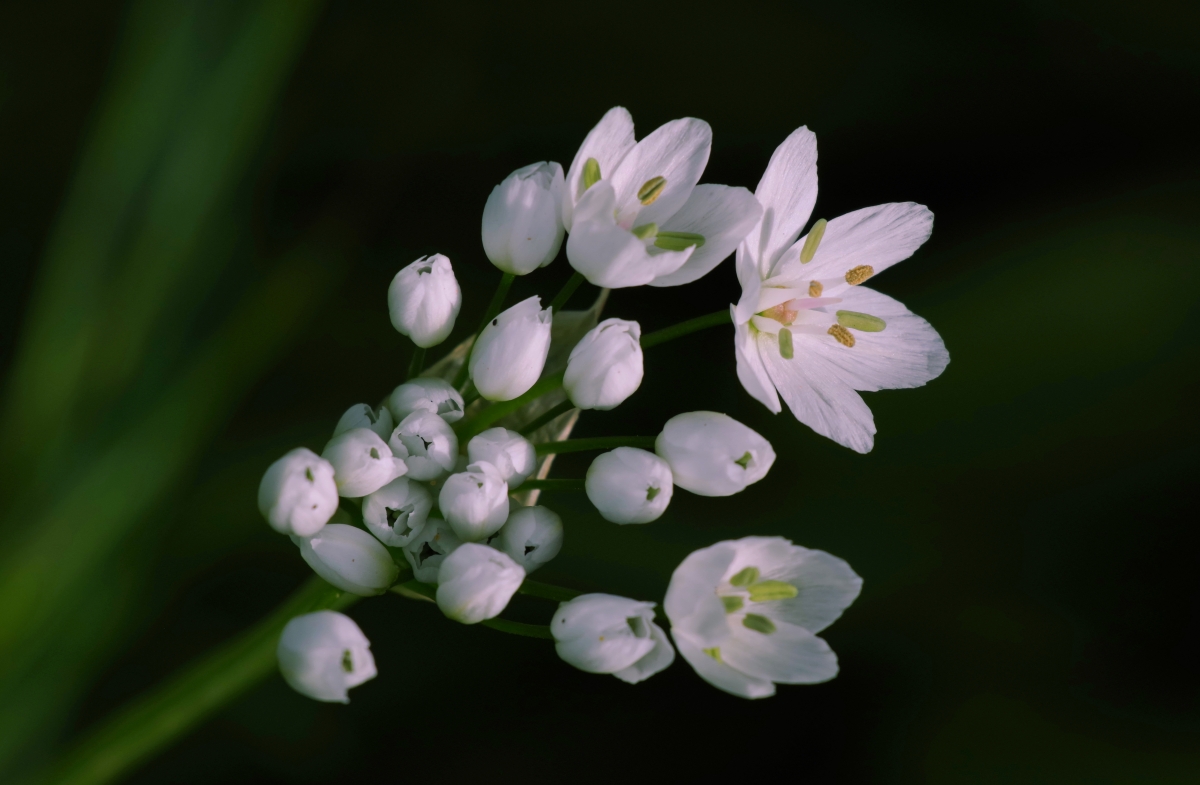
{"x": 601, "y": 633}
{"x": 628, "y": 485}
{"x": 297, "y": 494}
{"x": 605, "y": 367}
{"x": 429, "y": 443}
{"x": 476, "y": 582}
{"x": 362, "y": 462}
{"x": 510, "y": 452}
{"x": 430, "y": 548}
{"x": 322, "y": 655}
{"x": 396, "y": 513}
{"x": 350, "y": 559}
{"x": 532, "y": 536}
{"x": 360, "y": 415}
{"x": 475, "y": 502}
{"x": 426, "y": 394}
{"x": 522, "y": 223}
{"x": 424, "y": 299}
{"x": 713, "y": 454}
{"x": 510, "y": 352}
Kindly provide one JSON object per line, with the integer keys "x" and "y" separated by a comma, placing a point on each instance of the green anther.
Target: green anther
{"x": 744, "y": 462}
{"x": 651, "y": 190}
{"x": 812, "y": 241}
{"x": 347, "y": 661}
{"x": 758, "y": 623}
{"x": 787, "y": 350}
{"x": 651, "y": 493}
{"x": 714, "y": 652}
{"x": 863, "y": 322}
{"x": 644, "y": 231}
{"x": 746, "y": 576}
{"x": 591, "y": 173}
{"x": 678, "y": 241}
{"x": 732, "y": 604}
{"x": 766, "y": 591}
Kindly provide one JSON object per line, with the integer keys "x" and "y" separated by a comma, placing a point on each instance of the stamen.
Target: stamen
{"x": 812, "y": 241}
{"x": 856, "y": 275}
{"x": 732, "y": 604}
{"x": 678, "y": 241}
{"x": 714, "y": 652}
{"x": 651, "y": 189}
{"x": 644, "y": 231}
{"x": 347, "y": 661}
{"x": 591, "y": 173}
{"x": 815, "y": 288}
{"x": 753, "y": 621}
{"x": 745, "y": 577}
{"x": 769, "y": 591}
{"x": 864, "y": 322}
{"x": 786, "y": 350}
{"x": 841, "y": 335}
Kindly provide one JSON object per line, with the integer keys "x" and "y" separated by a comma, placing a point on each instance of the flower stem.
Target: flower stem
{"x": 518, "y": 628}
{"x": 597, "y": 443}
{"x": 565, "y": 293}
{"x": 416, "y": 364}
{"x": 503, "y": 625}
{"x": 683, "y": 328}
{"x": 492, "y": 309}
{"x": 552, "y": 485}
{"x": 469, "y": 427}
{"x": 548, "y": 416}
{"x": 547, "y": 591}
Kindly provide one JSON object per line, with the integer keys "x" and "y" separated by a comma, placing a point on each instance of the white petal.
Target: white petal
{"x": 750, "y": 369}
{"x": 691, "y": 603}
{"x": 789, "y": 655}
{"x": 787, "y": 191}
{"x": 878, "y": 236}
{"x": 751, "y": 282}
{"x": 722, "y": 215}
{"x": 676, "y": 151}
{"x": 719, "y": 675}
{"x": 659, "y": 658}
{"x": 609, "y": 142}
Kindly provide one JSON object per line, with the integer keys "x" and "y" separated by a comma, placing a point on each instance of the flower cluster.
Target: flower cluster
{"x": 433, "y": 493}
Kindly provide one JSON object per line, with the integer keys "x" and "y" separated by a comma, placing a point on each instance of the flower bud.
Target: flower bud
{"x": 475, "y": 502}
{"x": 532, "y": 536}
{"x": 426, "y": 394}
{"x": 712, "y": 454}
{"x": 360, "y": 415}
{"x": 396, "y": 513}
{"x": 601, "y": 633}
{"x": 522, "y": 223}
{"x": 429, "y": 443}
{"x": 350, "y": 559}
{"x": 605, "y": 367}
{"x": 362, "y": 462}
{"x": 424, "y": 299}
{"x": 430, "y": 548}
{"x": 510, "y": 452}
{"x": 476, "y": 582}
{"x": 510, "y": 352}
{"x": 628, "y": 485}
{"x": 322, "y": 655}
{"x": 297, "y": 494}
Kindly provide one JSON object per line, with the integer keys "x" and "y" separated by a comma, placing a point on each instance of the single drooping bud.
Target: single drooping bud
{"x": 602, "y": 633}
{"x": 361, "y": 415}
{"x": 522, "y": 220}
{"x": 427, "y": 394}
{"x": 350, "y": 559}
{"x": 532, "y": 536}
{"x": 712, "y": 454}
{"x": 510, "y": 352}
{"x": 362, "y": 462}
{"x": 475, "y": 502}
{"x": 628, "y": 485}
{"x": 429, "y": 443}
{"x": 322, "y": 655}
{"x": 476, "y": 582}
{"x": 605, "y": 367}
{"x": 424, "y": 299}
{"x": 510, "y": 452}
{"x": 297, "y": 494}
{"x": 430, "y": 548}
{"x": 396, "y": 513}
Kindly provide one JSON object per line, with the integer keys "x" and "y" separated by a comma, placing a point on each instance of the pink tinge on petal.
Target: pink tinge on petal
{"x": 809, "y": 303}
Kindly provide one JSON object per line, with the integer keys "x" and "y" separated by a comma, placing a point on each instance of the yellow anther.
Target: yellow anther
{"x": 786, "y": 350}
{"x": 591, "y": 173}
{"x": 651, "y": 190}
{"x": 812, "y": 241}
{"x": 815, "y": 288}
{"x": 841, "y": 335}
{"x": 856, "y": 275}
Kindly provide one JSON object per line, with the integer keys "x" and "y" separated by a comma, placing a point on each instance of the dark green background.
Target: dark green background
{"x": 1029, "y": 608}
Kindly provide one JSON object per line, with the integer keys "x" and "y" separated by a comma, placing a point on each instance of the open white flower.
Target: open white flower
{"x": 361, "y": 415}
{"x": 297, "y": 494}
{"x": 362, "y": 462}
{"x": 424, "y": 299}
{"x": 805, "y": 326}
{"x": 428, "y": 394}
{"x": 322, "y": 655}
{"x": 476, "y": 582}
{"x": 396, "y": 513}
{"x": 509, "y": 354}
{"x": 426, "y": 552}
{"x": 532, "y": 536}
{"x": 349, "y": 558}
{"x": 712, "y": 454}
{"x": 602, "y": 633}
{"x": 745, "y": 613}
{"x": 428, "y": 443}
{"x": 510, "y": 452}
{"x": 522, "y": 222}
{"x": 635, "y": 213}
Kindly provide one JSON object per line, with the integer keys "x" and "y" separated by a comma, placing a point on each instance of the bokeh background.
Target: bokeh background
{"x": 202, "y": 204}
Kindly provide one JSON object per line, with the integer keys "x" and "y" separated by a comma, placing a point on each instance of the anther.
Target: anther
{"x": 651, "y": 190}
{"x": 856, "y": 275}
{"x": 841, "y": 335}
{"x": 644, "y": 231}
{"x": 863, "y": 322}
{"x": 815, "y": 288}
{"x": 591, "y": 173}
{"x": 812, "y": 241}
{"x": 678, "y": 241}
{"x": 786, "y": 350}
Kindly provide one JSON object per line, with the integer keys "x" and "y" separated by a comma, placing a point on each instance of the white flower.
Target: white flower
{"x": 745, "y": 613}
{"x": 628, "y": 485}
{"x": 297, "y": 494}
{"x": 532, "y": 536}
{"x": 430, "y": 548}
{"x": 635, "y": 213}
{"x": 476, "y": 582}
{"x": 522, "y": 222}
{"x": 362, "y": 462}
{"x": 804, "y": 324}
{"x": 712, "y": 454}
{"x": 475, "y": 502}
{"x": 429, "y": 443}
{"x": 509, "y": 354}
{"x": 322, "y": 655}
{"x": 510, "y": 452}
{"x": 396, "y": 513}
{"x": 350, "y": 559}
{"x": 424, "y": 299}
{"x": 605, "y": 367}
{"x": 426, "y": 394}
{"x": 361, "y": 415}
{"x": 601, "y": 633}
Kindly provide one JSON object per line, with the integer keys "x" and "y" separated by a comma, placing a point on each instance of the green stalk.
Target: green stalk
{"x": 683, "y": 328}
{"x": 597, "y": 443}
{"x": 552, "y": 485}
{"x": 482, "y": 421}
{"x": 547, "y": 591}
{"x": 565, "y": 293}
{"x": 493, "y": 308}
{"x": 548, "y": 416}
{"x": 416, "y": 364}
